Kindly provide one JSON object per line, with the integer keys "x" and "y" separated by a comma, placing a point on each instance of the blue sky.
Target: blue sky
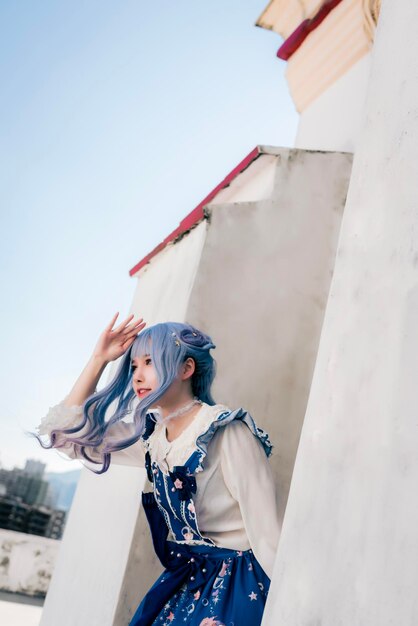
{"x": 117, "y": 118}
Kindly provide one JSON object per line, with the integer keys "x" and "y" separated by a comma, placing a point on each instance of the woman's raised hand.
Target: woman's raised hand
{"x": 113, "y": 342}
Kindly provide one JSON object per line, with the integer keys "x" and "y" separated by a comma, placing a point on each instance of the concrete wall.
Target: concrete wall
{"x": 333, "y": 121}
{"x": 255, "y": 182}
{"x": 26, "y": 562}
{"x": 261, "y": 292}
{"x": 349, "y": 548}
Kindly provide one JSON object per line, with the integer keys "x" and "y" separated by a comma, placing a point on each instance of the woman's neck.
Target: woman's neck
{"x": 176, "y": 404}
{"x": 180, "y": 419}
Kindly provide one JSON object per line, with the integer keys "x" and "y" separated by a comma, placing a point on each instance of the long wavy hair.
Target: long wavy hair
{"x": 169, "y": 344}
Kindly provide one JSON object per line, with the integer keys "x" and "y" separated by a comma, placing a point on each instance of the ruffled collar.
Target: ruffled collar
{"x": 185, "y": 444}
{"x": 191, "y": 445}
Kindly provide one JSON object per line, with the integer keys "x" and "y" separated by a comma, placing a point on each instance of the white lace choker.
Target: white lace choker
{"x": 181, "y": 411}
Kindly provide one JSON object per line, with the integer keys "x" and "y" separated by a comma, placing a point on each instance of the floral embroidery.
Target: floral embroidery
{"x": 187, "y": 534}
{"x": 183, "y": 481}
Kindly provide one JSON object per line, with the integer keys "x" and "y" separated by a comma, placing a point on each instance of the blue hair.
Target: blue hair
{"x": 169, "y": 344}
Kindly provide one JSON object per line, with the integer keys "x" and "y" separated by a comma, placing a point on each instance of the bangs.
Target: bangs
{"x": 142, "y": 344}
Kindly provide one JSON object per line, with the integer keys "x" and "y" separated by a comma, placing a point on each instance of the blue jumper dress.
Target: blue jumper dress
{"x": 203, "y": 584}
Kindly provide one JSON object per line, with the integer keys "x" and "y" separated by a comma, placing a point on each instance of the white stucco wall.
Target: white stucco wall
{"x": 17, "y": 614}
{"x": 26, "y": 562}
{"x": 164, "y": 285}
{"x": 334, "y": 120}
{"x": 254, "y": 183}
{"x": 349, "y": 548}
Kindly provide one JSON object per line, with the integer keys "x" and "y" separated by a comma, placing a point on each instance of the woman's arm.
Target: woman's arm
{"x": 62, "y": 416}
{"x": 111, "y": 345}
{"x": 248, "y": 476}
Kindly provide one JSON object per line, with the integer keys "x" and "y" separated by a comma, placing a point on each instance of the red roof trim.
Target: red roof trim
{"x": 296, "y": 39}
{"x": 197, "y": 215}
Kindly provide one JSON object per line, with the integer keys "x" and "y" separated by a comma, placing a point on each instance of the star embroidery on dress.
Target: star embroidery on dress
{"x": 252, "y": 596}
{"x": 171, "y": 616}
{"x": 224, "y": 569}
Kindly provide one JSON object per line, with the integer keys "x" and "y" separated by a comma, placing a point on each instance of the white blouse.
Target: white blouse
{"x": 235, "y": 500}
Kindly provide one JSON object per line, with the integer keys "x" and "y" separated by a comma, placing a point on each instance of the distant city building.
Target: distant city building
{"x": 13, "y": 514}
{"x": 32, "y": 466}
{"x": 34, "y": 503}
{"x": 34, "y": 520}
{"x": 30, "y": 487}
{"x": 56, "y": 524}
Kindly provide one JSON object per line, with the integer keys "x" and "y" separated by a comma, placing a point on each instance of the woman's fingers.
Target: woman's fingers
{"x": 128, "y": 342}
{"x": 133, "y": 334}
{"x": 123, "y": 324}
{"x": 127, "y": 326}
{"x": 110, "y": 326}
{"x": 134, "y": 326}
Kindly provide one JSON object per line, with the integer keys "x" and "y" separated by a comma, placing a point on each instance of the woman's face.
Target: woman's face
{"x": 144, "y": 376}
{"x": 145, "y": 380}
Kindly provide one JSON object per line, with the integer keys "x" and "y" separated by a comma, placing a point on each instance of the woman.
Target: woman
{"x": 211, "y": 508}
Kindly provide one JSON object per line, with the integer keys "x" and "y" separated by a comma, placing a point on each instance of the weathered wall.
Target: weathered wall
{"x": 261, "y": 291}
{"x": 349, "y": 548}
{"x": 26, "y": 562}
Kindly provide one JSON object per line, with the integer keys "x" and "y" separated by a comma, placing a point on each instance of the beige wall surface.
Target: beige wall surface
{"x": 334, "y": 120}
{"x": 349, "y": 548}
{"x": 261, "y": 291}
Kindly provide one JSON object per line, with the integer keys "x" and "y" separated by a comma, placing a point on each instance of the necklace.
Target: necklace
{"x": 182, "y": 410}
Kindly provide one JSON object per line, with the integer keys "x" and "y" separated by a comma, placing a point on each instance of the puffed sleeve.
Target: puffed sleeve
{"x": 61, "y": 416}
{"x": 248, "y": 476}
